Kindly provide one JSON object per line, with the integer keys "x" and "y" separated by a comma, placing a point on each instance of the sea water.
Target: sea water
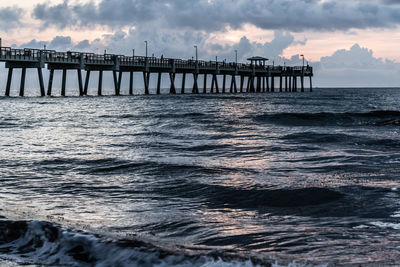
{"x": 271, "y": 179}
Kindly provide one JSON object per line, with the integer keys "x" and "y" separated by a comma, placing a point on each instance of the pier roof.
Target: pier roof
{"x": 258, "y": 58}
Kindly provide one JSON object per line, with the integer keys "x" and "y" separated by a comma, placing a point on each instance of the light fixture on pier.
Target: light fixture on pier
{"x": 146, "y": 47}
{"x": 196, "y": 53}
{"x": 303, "y": 59}
{"x": 236, "y": 56}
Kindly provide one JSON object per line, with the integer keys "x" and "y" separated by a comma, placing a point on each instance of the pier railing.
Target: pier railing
{"x": 70, "y": 57}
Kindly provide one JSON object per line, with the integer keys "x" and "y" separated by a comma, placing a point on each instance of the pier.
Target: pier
{"x": 255, "y": 77}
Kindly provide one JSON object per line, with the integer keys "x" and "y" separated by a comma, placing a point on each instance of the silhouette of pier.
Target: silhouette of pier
{"x": 255, "y": 77}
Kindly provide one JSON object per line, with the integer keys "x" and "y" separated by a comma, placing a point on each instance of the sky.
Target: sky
{"x": 349, "y": 43}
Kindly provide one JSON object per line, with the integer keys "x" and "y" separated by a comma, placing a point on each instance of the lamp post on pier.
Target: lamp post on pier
{"x": 236, "y": 56}
{"x": 196, "y": 53}
{"x": 146, "y": 47}
{"x": 303, "y": 59}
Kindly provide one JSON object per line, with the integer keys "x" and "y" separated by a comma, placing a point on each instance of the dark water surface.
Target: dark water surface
{"x": 202, "y": 180}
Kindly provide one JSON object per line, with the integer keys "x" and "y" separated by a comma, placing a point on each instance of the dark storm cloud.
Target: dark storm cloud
{"x": 61, "y": 43}
{"x": 111, "y": 13}
{"x": 214, "y": 15}
{"x": 10, "y": 17}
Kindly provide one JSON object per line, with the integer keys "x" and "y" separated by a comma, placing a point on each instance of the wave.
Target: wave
{"x": 161, "y": 116}
{"x": 44, "y": 243}
{"x": 373, "y": 118}
{"x": 250, "y": 198}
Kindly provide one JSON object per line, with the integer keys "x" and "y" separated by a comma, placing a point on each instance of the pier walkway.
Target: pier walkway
{"x": 251, "y": 78}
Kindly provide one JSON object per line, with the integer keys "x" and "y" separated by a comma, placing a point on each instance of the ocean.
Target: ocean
{"x": 265, "y": 179}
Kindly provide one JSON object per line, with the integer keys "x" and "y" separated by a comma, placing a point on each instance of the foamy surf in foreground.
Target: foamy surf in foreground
{"x": 43, "y": 243}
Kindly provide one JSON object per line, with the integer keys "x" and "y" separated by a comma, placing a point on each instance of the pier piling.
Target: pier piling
{"x": 205, "y": 84}
{"x": 159, "y": 83}
{"x": 64, "y": 81}
{"x": 131, "y": 83}
{"x": 87, "y": 78}
{"x": 9, "y": 79}
{"x": 80, "y": 82}
{"x": 183, "y": 83}
{"x": 100, "y": 85}
{"x": 195, "y": 84}
{"x": 22, "y": 85}
{"x": 50, "y": 84}
{"x": 172, "y": 79}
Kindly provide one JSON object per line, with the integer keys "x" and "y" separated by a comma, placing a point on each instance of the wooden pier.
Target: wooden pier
{"x": 255, "y": 77}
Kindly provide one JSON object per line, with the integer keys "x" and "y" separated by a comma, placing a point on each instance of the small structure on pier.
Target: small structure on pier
{"x": 258, "y": 61}
{"x": 260, "y": 77}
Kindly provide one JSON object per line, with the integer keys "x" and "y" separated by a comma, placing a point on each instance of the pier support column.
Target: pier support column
{"x": 146, "y": 80}
{"x": 223, "y": 84}
{"x": 195, "y": 84}
{"x": 233, "y": 88}
{"x": 64, "y": 81}
{"x": 205, "y": 84}
{"x": 131, "y": 83}
{"x": 100, "y": 88}
{"x": 41, "y": 82}
{"x": 50, "y": 85}
{"x": 159, "y": 83}
{"x": 280, "y": 83}
{"x": 252, "y": 84}
{"x": 267, "y": 80}
{"x": 172, "y": 79}
{"x": 80, "y": 82}
{"x": 212, "y": 85}
{"x": 272, "y": 83}
{"x": 259, "y": 84}
{"x": 85, "y": 91}
{"x": 290, "y": 83}
{"x": 294, "y": 83}
{"x": 9, "y": 79}
{"x": 115, "y": 79}
{"x": 118, "y": 89}
{"x": 216, "y": 84}
{"x": 22, "y": 85}
{"x": 286, "y": 83}
{"x": 311, "y": 84}
{"x": 263, "y": 84}
{"x": 302, "y": 83}
{"x": 183, "y": 83}
{"x": 248, "y": 84}
{"x": 241, "y": 83}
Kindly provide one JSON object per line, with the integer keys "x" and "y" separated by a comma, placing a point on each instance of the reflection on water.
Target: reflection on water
{"x": 281, "y": 176}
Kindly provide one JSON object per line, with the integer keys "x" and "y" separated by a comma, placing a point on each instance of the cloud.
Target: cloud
{"x": 59, "y": 15}
{"x": 355, "y": 57}
{"x": 356, "y": 67}
{"x": 59, "y": 43}
{"x": 211, "y": 16}
{"x": 10, "y": 17}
